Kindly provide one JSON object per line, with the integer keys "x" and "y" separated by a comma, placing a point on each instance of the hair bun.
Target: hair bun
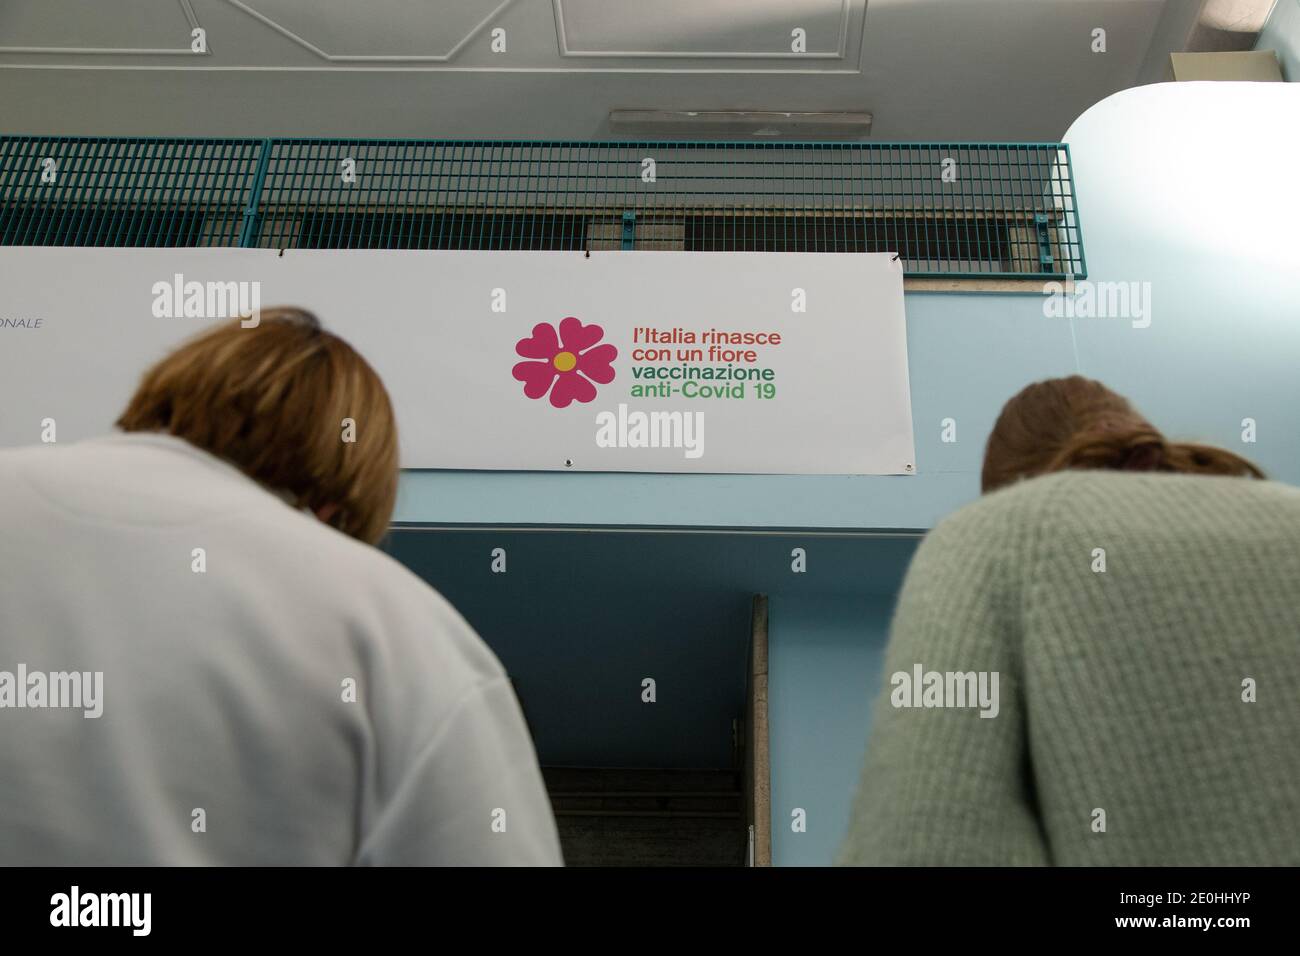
{"x": 1143, "y": 453}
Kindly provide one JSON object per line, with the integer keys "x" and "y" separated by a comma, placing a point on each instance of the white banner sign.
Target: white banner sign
{"x": 617, "y": 361}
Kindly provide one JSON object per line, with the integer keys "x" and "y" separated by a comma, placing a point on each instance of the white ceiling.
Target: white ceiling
{"x": 998, "y": 70}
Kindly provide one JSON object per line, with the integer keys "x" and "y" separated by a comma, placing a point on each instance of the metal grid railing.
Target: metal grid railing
{"x": 86, "y": 191}
{"x": 950, "y": 210}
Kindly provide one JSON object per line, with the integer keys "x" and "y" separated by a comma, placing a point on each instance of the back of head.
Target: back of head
{"x": 275, "y": 400}
{"x": 1078, "y": 423}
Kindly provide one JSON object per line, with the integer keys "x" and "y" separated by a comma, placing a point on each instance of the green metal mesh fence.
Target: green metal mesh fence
{"x": 948, "y": 209}
{"x": 84, "y": 191}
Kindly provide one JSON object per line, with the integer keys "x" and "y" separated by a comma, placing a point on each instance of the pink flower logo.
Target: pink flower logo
{"x": 569, "y": 361}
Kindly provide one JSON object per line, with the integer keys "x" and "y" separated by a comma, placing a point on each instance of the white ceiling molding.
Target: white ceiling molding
{"x": 1004, "y": 70}
{"x": 397, "y": 35}
{"x": 840, "y": 51}
{"x": 372, "y": 57}
{"x": 186, "y": 8}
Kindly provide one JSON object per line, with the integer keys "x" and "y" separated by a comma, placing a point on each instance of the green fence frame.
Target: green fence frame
{"x": 950, "y": 210}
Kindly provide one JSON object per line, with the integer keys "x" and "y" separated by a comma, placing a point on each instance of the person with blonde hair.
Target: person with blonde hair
{"x": 218, "y": 666}
{"x": 1096, "y": 663}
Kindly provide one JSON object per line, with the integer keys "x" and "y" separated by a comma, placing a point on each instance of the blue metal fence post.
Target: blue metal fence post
{"x": 629, "y": 229}
{"x": 252, "y": 222}
{"x": 1045, "y": 259}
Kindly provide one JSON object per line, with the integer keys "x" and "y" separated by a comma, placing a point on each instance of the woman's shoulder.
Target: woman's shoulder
{"x": 1012, "y": 524}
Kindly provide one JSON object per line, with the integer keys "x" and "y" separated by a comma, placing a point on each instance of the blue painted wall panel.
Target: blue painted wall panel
{"x": 580, "y": 618}
{"x": 825, "y": 661}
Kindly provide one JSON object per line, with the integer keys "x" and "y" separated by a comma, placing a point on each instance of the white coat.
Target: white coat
{"x": 270, "y": 691}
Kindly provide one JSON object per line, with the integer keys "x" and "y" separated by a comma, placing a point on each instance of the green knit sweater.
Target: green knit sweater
{"x": 1120, "y": 691}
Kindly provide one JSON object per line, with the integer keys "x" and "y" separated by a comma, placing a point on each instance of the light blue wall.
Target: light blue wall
{"x": 824, "y": 662}
{"x": 1282, "y": 33}
{"x": 575, "y": 670}
{"x": 1175, "y": 190}
{"x": 579, "y": 619}
{"x": 1179, "y": 185}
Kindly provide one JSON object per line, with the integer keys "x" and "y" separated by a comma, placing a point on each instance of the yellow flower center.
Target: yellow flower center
{"x": 565, "y": 361}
